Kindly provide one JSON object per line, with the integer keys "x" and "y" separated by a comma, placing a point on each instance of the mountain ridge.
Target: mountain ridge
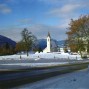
{"x": 43, "y": 43}
{"x": 4, "y": 40}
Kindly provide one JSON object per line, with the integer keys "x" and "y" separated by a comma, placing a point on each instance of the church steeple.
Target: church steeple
{"x": 49, "y": 34}
{"x": 48, "y": 43}
{"x": 48, "y": 48}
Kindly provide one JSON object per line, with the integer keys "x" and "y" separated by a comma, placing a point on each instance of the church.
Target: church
{"x": 51, "y": 45}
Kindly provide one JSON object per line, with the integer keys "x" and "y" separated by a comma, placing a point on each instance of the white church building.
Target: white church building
{"x": 51, "y": 45}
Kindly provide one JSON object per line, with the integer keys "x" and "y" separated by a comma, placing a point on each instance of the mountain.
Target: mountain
{"x": 42, "y": 43}
{"x": 4, "y": 40}
{"x": 61, "y": 43}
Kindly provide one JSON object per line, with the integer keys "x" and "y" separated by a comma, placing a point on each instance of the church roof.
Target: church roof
{"x": 49, "y": 34}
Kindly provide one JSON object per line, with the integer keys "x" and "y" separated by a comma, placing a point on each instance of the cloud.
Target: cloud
{"x": 4, "y": 9}
{"x": 25, "y": 21}
{"x": 39, "y": 30}
{"x": 69, "y": 8}
{"x": 64, "y": 11}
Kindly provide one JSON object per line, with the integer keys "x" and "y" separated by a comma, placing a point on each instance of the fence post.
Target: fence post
{"x": 38, "y": 57}
{"x": 20, "y": 56}
{"x": 54, "y": 57}
{"x": 68, "y": 58}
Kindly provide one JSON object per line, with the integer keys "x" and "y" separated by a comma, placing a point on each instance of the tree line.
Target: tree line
{"x": 6, "y": 49}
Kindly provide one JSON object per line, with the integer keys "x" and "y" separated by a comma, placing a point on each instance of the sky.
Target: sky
{"x": 39, "y": 17}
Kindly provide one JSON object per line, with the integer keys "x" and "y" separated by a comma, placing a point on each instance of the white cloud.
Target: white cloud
{"x": 25, "y": 20}
{"x": 4, "y": 9}
{"x": 65, "y": 10}
{"x": 69, "y": 8}
{"x": 39, "y": 30}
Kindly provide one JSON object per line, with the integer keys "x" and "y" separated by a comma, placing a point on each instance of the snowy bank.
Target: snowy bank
{"x": 76, "y": 80}
{"x": 12, "y": 66}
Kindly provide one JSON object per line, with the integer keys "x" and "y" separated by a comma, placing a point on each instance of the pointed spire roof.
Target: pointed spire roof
{"x": 49, "y": 34}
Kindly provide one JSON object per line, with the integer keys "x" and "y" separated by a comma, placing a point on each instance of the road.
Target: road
{"x": 32, "y": 73}
{"x": 20, "y": 77}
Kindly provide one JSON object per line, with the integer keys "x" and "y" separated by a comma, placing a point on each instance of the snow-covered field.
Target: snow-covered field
{"x": 42, "y": 55}
{"x": 36, "y": 60}
{"x": 76, "y": 80}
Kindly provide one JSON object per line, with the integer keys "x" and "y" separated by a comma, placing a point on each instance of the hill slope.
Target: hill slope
{"x": 4, "y": 40}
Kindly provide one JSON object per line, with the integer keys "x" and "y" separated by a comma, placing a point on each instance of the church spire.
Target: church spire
{"x": 49, "y": 34}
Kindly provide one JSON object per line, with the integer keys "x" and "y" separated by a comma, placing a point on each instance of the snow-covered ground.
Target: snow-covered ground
{"x": 27, "y": 65}
{"x": 56, "y": 55}
{"x": 36, "y": 60}
{"x": 42, "y": 55}
{"x": 76, "y": 80}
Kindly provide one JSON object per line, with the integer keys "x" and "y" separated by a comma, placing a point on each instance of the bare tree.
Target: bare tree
{"x": 27, "y": 39}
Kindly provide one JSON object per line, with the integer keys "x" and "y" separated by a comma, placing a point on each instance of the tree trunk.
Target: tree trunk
{"x": 27, "y": 54}
{"x": 80, "y": 53}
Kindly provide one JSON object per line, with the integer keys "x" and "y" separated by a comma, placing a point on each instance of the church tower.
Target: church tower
{"x": 51, "y": 45}
{"x": 49, "y": 42}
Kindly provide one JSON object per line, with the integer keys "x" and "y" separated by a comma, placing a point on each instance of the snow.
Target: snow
{"x": 36, "y": 60}
{"x": 42, "y": 55}
{"x": 56, "y": 55}
{"x": 27, "y": 65}
{"x": 75, "y": 80}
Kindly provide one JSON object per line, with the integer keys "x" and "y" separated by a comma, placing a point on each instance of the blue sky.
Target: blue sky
{"x": 39, "y": 17}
